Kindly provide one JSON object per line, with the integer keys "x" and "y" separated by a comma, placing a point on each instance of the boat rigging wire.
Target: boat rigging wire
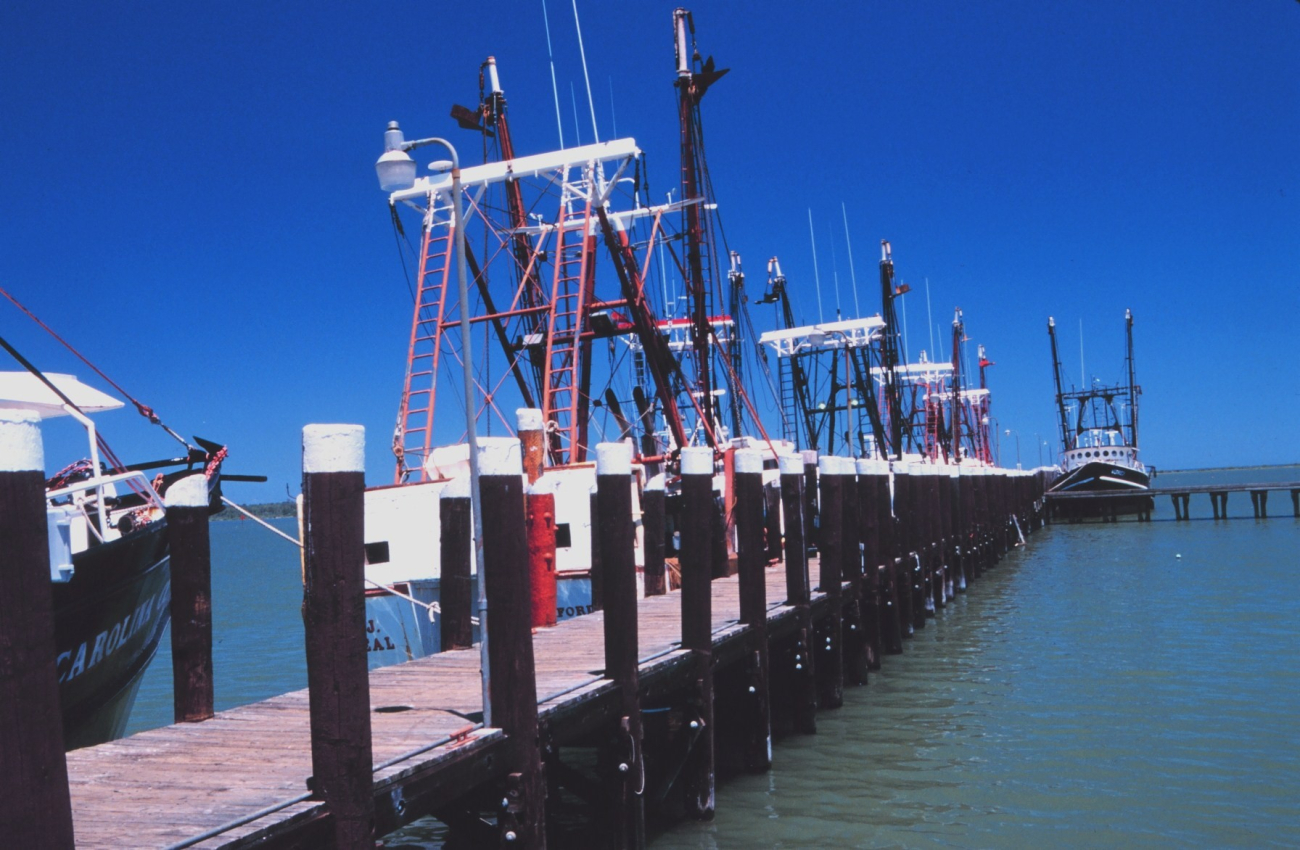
{"x": 145, "y": 410}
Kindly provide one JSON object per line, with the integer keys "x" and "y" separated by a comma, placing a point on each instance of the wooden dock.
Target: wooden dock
{"x": 168, "y": 786}
{"x": 664, "y": 693}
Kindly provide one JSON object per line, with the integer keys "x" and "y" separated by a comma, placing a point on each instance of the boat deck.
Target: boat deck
{"x": 192, "y": 784}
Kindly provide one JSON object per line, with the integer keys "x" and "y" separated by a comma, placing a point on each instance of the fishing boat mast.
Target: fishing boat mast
{"x": 1067, "y": 438}
{"x": 889, "y": 350}
{"x": 1133, "y": 389}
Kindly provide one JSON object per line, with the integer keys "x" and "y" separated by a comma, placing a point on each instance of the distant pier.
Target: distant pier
{"x": 1180, "y": 497}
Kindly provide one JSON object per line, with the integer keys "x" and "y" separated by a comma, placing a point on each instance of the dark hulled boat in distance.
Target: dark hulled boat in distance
{"x": 1099, "y": 442}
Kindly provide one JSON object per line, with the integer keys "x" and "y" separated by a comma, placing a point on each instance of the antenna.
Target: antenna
{"x": 907, "y": 357}
{"x": 582, "y": 51}
{"x": 555, "y": 91}
{"x": 857, "y": 311}
{"x": 929, "y": 317}
{"x": 812, "y": 237}
{"x": 835, "y": 274}
{"x": 613, "y": 118}
{"x": 577, "y": 128}
{"x": 1083, "y": 373}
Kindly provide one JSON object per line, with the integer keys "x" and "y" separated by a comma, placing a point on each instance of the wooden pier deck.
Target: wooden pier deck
{"x": 169, "y": 787}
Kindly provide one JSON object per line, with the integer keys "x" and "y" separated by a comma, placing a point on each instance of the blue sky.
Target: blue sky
{"x": 189, "y": 191}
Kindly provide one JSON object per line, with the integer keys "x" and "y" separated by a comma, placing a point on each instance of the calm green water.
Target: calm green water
{"x": 1134, "y": 685}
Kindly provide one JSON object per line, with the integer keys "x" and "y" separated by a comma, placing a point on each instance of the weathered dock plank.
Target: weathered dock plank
{"x": 169, "y": 785}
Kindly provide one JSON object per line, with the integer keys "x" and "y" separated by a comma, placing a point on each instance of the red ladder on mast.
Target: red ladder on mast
{"x": 414, "y": 436}
{"x": 573, "y": 274}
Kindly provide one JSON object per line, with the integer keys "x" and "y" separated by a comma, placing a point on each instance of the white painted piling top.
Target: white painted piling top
{"x": 829, "y": 465}
{"x": 809, "y": 457}
{"x": 656, "y": 482}
{"x": 871, "y": 466}
{"x": 613, "y": 458}
{"x": 528, "y": 419}
{"x": 749, "y": 460}
{"x": 189, "y": 492}
{"x": 790, "y": 464}
{"x": 333, "y": 448}
{"x": 21, "y": 447}
{"x": 456, "y": 488}
{"x": 500, "y": 456}
{"x": 697, "y": 460}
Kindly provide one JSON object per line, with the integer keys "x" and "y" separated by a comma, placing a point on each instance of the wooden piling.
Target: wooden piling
{"x": 772, "y": 530}
{"x": 905, "y": 563}
{"x": 811, "y": 517}
{"x": 652, "y": 532}
{"x": 456, "y": 551}
{"x": 617, "y": 538}
{"x": 868, "y": 535}
{"x": 1295, "y": 503}
{"x": 855, "y": 653}
{"x": 191, "y": 598}
{"x": 334, "y": 620}
{"x": 512, "y": 685}
{"x": 539, "y": 511}
{"x": 699, "y": 775}
{"x": 597, "y": 568}
{"x": 830, "y": 646}
{"x": 35, "y": 807}
{"x": 802, "y": 672}
{"x": 751, "y": 556}
{"x": 531, "y": 430}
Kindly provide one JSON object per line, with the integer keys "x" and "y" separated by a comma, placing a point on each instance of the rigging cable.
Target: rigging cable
{"x": 145, "y": 410}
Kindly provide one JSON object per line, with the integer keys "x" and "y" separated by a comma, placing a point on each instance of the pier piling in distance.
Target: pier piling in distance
{"x": 652, "y": 532}
{"x": 617, "y": 539}
{"x": 855, "y": 654}
{"x": 188, "y": 541}
{"x": 699, "y": 774}
{"x": 802, "y": 673}
{"x": 456, "y": 551}
{"x": 751, "y": 563}
{"x": 334, "y": 618}
{"x": 512, "y": 684}
{"x": 1295, "y": 503}
{"x": 35, "y": 807}
{"x": 830, "y": 644}
{"x": 811, "y": 517}
{"x": 868, "y": 537}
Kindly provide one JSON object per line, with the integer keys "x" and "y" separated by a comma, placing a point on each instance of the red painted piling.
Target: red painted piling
{"x": 191, "y": 598}
{"x": 35, "y": 808}
{"x": 699, "y": 775}
{"x": 802, "y": 672}
{"x": 456, "y": 551}
{"x": 532, "y": 442}
{"x": 652, "y": 532}
{"x": 617, "y": 539}
{"x": 597, "y": 567}
{"x": 512, "y": 685}
{"x": 751, "y": 554}
{"x": 539, "y": 510}
{"x": 830, "y": 645}
{"x": 334, "y": 620}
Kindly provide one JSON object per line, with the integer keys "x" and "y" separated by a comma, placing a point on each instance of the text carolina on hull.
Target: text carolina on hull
{"x": 109, "y": 564}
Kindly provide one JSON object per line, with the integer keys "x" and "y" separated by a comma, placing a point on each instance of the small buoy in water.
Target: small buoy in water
{"x": 1178, "y": 556}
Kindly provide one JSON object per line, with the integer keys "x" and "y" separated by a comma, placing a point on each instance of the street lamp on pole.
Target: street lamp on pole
{"x": 1011, "y": 431}
{"x": 396, "y": 170}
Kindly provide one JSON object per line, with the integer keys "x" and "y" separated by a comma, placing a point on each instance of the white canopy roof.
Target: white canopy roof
{"x": 24, "y": 391}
